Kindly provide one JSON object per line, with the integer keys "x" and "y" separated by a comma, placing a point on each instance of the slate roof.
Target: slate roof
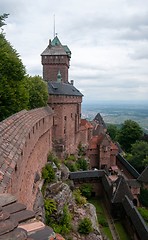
{"x": 143, "y": 176}
{"x": 14, "y": 224}
{"x": 8, "y": 222}
{"x": 86, "y": 174}
{"x": 108, "y": 187}
{"x": 122, "y": 189}
{"x": 56, "y": 48}
{"x": 137, "y": 220}
{"x": 128, "y": 166}
{"x": 133, "y": 183}
{"x": 60, "y": 88}
{"x": 98, "y": 118}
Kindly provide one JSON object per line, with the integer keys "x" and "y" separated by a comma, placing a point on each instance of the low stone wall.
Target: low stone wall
{"x": 26, "y": 139}
{"x": 135, "y": 224}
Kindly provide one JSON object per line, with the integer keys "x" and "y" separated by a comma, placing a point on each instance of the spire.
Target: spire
{"x": 59, "y": 77}
{"x": 56, "y": 42}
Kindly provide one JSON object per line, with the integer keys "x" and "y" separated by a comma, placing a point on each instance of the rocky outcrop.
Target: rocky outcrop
{"x": 38, "y": 207}
{"x": 63, "y": 195}
{"x": 87, "y": 210}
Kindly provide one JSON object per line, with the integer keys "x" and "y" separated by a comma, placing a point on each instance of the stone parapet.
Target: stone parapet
{"x": 21, "y": 134}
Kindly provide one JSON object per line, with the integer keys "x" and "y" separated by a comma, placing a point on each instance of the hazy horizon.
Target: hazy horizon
{"x": 118, "y": 112}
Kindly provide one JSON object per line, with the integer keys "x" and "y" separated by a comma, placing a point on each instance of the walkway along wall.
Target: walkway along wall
{"x": 26, "y": 139}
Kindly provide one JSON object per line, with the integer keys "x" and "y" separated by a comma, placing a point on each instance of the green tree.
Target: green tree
{"x": 139, "y": 155}
{"x": 13, "y": 94}
{"x": 2, "y": 19}
{"x": 129, "y": 133}
{"x": 85, "y": 226}
{"x": 112, "y": 131}
{"x": 38, "y": 92}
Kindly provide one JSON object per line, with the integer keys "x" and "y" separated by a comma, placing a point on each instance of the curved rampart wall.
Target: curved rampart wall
{"x": 25, "y": 140}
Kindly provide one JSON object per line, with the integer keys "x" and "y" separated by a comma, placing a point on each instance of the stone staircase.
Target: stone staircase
{"x": 18, "y": 223}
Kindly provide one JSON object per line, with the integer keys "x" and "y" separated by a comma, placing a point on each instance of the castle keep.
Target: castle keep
{"x": 64, "y": 98}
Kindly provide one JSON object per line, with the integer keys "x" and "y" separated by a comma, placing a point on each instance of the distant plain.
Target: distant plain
{"x": 117, "y": 113}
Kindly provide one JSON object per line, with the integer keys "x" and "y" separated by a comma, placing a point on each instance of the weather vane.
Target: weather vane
{"x": 54, "y": 34}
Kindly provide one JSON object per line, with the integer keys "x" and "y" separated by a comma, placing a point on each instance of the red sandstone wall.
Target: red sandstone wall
{"x": 51, "y": 66}
{"x": 105, "y": 153}
{"x": 25, "y": 143}
{"x": 66, "y": 121}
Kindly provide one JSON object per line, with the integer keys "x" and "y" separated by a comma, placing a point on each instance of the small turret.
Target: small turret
{"x": 59, "y": 77}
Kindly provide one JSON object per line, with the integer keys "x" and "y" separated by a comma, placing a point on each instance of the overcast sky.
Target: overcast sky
{"x": 108, "y": 40}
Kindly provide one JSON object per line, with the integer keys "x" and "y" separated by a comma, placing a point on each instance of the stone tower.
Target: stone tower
{"x": 55, "y": 59}
{"x": 64, "y": 99}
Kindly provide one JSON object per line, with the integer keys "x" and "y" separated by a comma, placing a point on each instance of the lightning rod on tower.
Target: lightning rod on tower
{"x": 54, "y": 26}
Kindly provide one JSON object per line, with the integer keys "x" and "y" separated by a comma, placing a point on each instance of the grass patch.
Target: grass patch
{"x": 102, "y": 220}
{"x": 98, "y": 205}
{"x": 121, "y": 231}
{"x": 107, "y": 232}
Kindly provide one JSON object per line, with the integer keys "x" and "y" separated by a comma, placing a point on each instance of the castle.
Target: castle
{"x": 65, "y": 100}
{"x": 28, "y": 136}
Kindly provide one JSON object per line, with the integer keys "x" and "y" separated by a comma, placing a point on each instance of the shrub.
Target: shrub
{"x": 81, "y": 150}
{"x": 65, "y": 220}
{"x": 86, "y": 190}
{"x": 144, "y": 213}
{"x": 71, "y": 166}
{"x": 64, "y": 224}
{"x": 82, "y": 164}
{"x": 66, "y": 217}
{"x": 79, "y": 198}
{"x": 71, "y": 158}
{"x": 50, "y": 207}
{"x": 85, "y": 226}
{"x": 52, "y": 158}
{"x": 48, "y": 173}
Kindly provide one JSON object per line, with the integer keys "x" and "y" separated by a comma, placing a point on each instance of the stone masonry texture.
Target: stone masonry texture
{"x": 24, "y": 146}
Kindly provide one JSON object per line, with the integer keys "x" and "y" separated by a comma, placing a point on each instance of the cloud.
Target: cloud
{"x": 108, "y": 40}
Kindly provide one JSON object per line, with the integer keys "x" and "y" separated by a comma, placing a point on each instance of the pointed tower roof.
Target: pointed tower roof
{"x": 143, "y": 176}
{"x": 122, "y": 189}
{"x": 56, "y": 48}
{"x": 55, "y": 41}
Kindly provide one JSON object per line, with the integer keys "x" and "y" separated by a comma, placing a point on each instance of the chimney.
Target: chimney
{"x": 49, "y": 43}
{"x": 72, "y": 82}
